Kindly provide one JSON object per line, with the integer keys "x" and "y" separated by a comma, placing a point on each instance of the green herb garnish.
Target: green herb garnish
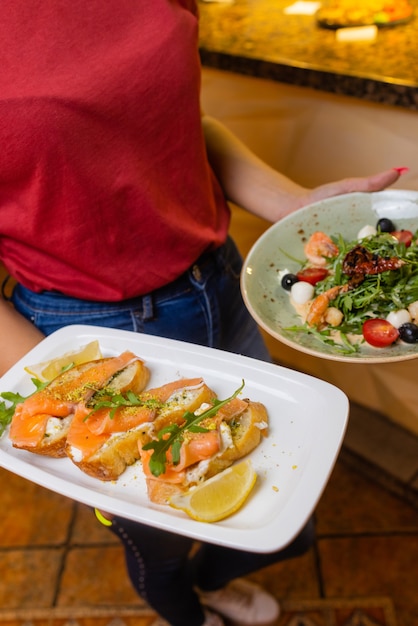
{"x": 174, "y": 440}
{"x": 108, "y": 399}
{"x": 326, "y": 337}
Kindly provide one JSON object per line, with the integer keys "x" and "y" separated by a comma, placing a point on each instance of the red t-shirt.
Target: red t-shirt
{"x": 105, "y": 188}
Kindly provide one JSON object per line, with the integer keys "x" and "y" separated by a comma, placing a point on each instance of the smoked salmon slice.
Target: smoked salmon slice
{"x": 185, "y": 394}
{"x": 59, "y": 399}
{"x": 91, "y": 429}
{"x": 199, "y": 447}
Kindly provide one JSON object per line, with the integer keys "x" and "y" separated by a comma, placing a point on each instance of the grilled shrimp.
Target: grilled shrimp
{"x": 320, "y": 305}
{"x": 319, "y": 247}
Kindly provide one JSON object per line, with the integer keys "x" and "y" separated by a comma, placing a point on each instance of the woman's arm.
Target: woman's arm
{"x": 253, "y": 185}
{"x": 17, "y": 336}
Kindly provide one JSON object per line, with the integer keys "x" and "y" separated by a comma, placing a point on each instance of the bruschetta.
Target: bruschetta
{"x": 103, "y": 438}
{"x": 229, "y": 435}
{"x": 41, "y": 423}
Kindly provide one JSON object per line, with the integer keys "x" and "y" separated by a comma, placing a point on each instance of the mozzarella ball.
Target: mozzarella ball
{"x": 413, "y": 310}
{"x": 366, "y": 231}
{"x": 397, "y": 318}
{"x": 301, "y": 292}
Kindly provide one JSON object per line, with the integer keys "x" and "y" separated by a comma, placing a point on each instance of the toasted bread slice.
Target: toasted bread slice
{"x": 53, "y": 442}
{"x": 115, "y": 453}
{"x": 239, "y": 434}
{"x": 41, "y": 423}
{"x": 103, "y": 447}
{"x": 134, "y": 377}
{"x": 160, "y": 492}
{"x": 178, "y": 397}
{"x": 247, "y": 431}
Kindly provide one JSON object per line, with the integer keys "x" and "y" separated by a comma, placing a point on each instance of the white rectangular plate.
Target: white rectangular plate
{"x": 308, "y": 418}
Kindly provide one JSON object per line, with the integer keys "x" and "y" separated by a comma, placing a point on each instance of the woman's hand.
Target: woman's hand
{"x": 376, "y": 182}
{"x": 17, "y": 336}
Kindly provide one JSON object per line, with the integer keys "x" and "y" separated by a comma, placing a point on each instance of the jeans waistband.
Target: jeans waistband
{"x": 198, "y": 271}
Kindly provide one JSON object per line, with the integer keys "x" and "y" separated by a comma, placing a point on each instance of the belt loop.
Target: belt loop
{"x": 147, "y": 308}
{"x": 197, "y": 274}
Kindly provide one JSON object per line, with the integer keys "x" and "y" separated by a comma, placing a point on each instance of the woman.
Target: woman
{"x": 113, "y": 212}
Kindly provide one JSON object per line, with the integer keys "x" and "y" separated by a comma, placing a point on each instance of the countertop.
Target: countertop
{"x": 257, "y": 38}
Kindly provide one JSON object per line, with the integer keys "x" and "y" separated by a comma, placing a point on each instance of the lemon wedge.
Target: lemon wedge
{"x": 48, "y": 370}
{"x": 219, "y": 496}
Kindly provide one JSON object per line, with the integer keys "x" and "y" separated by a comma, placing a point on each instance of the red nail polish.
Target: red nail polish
{"x": 401, "y": 170}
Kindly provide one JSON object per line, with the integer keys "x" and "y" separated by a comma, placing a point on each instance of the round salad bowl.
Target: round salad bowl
{"x": 279, "y": 251}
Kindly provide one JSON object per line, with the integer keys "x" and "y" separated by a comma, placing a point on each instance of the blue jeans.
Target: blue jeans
{"x": 203, "y": 306}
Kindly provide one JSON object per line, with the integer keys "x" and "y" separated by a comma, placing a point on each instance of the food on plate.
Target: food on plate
{"x": 340, "y": 13}
{"x": 103, "y": 437}
{"x": 348, "y": 293}
{"x": 319, "y": 248}
{"x": 42, "y": 421}
{"x": 177, "y": 397}
{"x": 183, "y": 455}
{"x": 104, "y": 416}
{"x": 219, "y": 496}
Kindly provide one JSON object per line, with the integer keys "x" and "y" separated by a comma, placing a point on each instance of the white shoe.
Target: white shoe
{"x": 211, "y": 620}
{"x": 243, "y": 602}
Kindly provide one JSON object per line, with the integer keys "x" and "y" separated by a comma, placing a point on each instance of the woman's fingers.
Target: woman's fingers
{"x": 376, "y": 182}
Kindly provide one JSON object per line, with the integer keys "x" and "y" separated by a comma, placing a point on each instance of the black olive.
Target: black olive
{"x": 385, "y": 225}
{"x": 288, "y": 280}
{"x": 408, "y": 332}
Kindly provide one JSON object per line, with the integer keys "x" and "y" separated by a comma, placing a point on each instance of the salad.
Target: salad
{"x": 348, "y": 293}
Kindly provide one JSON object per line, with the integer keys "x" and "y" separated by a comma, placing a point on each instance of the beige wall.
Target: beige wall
{"x": 316, "y": 137}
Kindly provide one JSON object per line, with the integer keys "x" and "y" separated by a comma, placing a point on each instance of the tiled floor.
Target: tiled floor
{"x": 54, "y": 553}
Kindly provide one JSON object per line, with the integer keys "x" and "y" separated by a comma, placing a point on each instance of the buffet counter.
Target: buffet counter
{"x": 259, "y": 38}
{"x": 317, "y": 111}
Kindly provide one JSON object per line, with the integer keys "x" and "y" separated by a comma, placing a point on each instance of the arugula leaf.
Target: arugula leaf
{"x": 325, "y": 336}
{"x": 7, "y": 410}
{"x": 290, "y": 257}
{"x": 172, "y": 436}
{"x": 114, "y": 400}
{"x": 377, "y": 295}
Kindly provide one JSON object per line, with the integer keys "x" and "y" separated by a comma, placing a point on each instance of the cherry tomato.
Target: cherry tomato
{"x": 403, "y": 236}
{"x": 312, "y": 275}
{"x": 379, "y": 333}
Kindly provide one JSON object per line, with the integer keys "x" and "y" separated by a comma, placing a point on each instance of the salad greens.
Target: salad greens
{"x": 375, "y": 295}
